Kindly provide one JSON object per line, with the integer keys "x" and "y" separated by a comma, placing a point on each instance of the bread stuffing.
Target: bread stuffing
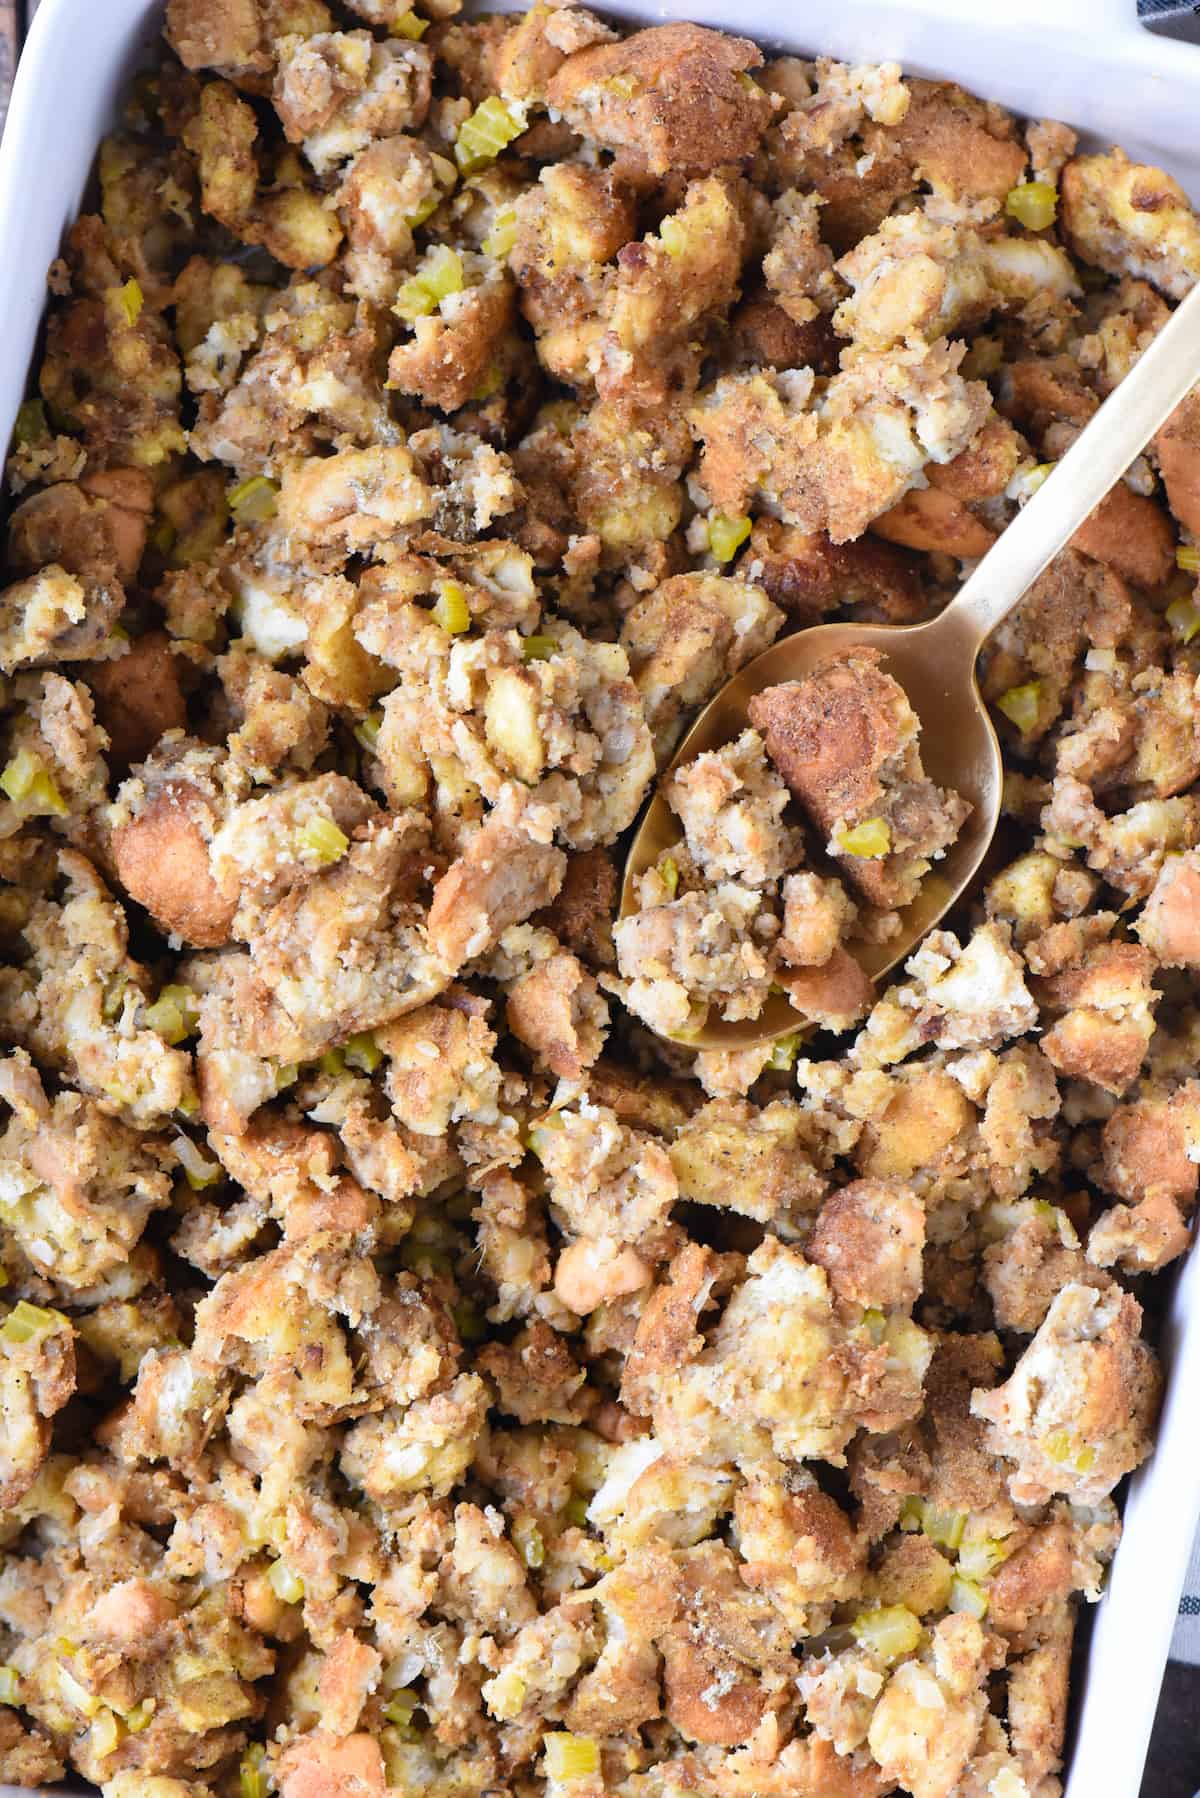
{"x": 423, "y": 1369}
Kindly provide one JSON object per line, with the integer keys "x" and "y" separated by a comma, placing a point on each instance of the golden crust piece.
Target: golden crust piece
{"x": 837, "y": 994}
{"x": 1170, "y": 921}
{"x": 1076, "y": 603}
{"x": 845, "y": 740}
{"x": 322, "y": 1765}
{"x": 688, "y": 635}
{"x": 56, "y": 617}
{"x": 836, "y": 464}
{"x": 733, "y": 1155}
{"x": 1148, "y": 1147}
{"x": 808, "y": 575}
{"x": 138, "y": 697}
{"x": 674, "y": 97}
{"x": 557, "y": 1011}
{"x": 1178, "y": 449}
{"x": 582, "y": 912}
{"x": 1077, "y": 1412}
{"x": 1132, "y": 535}
{"x": 237, "y": 37}
{"x": 37, "y": 1377}
{"x": 161, "y": 850}
{"x": 1104, "y": 1001}
{"x": 1131, "y": 219}
{"x": 931, "y": 519}
{"x": 451, "y": 352}
{"x": 503, "y": 877}
{"x": 869, "y": 1238}
{"x": 963, "y": 147}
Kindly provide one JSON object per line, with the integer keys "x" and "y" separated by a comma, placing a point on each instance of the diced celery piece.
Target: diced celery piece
{"x": 285, "y": 1584}
{"x": 1187, "y": 557}
{"x": 30, "y": 425}
{"x": 965, "y": 1595}
{"x": 362, "y": 1052}
{"x": 538, "y": 1132}
{"x": 890, "y": 1631}
{"x": 490, "y": 382}
{"x": 450, "y": 609}
{"x": 286, "y": 1074}
{"x": 332, "y": 1062}
{"x": 672, "y": 235}
{"x": 418, "y": 1257}
{"x": 869, "y": 840}
{"x": 1183, "y": 616}
{"x": 668, "y": 873}
{"x": 576, "y": 1509}
{"x": 1069, "y": 1451}
{"x": 366, "y": 731}
{"x": 440, "y": 274}
{"x": 400, "y": 1707}
{"x": 131, "y": 300}
{"x": 503, "y": 234}
{"x": 322, "y": 839}
{"x": 198, "y": 1170}
{"x": 538, "y": 649}
{"x": 1033, "y": 204}
{"x": 26, "y": 1322}
{"x": 253, "y": 501}
{"x": 29, "y": 784}
{"x": 409, "y": 25}
{"x": 529, "y": 1540}
{"x": 252, "y": 1780}
{"x": 945, "y": 1528}
{"x": 1020, "y": 705}
{"x": 726, "y": 535}
{"x": 106, "y": 1732}
{"x": 139, "y": 1717}
{"x": 10, "y": 1685}
{"x": 174, "y": 1014}
{"x": 1037, "y": 477}
{"x": 18, "y": 777}
{"x": 506, "y": 1695}
{"x": 912, "y": 1514}
{"x": 426, "y": 209}
{"x": 783, "y": 1053}
{"x": 491, "y": 127}
{"x": 978, "y": 1558}
{"x": 571, "y": 1757}
{"x": 469, "y": 1321}
{"x": 75, "y": 1694}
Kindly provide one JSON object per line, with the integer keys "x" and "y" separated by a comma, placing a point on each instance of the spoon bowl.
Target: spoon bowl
{"x": 934, "y": 662}
{"x": 958, "y": 747}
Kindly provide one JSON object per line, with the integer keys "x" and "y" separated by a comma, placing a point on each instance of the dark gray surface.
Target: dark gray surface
{"x": 1173, "y": 1766}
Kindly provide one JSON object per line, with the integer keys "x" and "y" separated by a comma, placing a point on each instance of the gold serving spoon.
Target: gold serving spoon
{"x": 935, "y": 662}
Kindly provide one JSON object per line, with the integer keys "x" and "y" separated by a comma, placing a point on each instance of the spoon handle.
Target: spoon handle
{"x": 1120, "y": 430}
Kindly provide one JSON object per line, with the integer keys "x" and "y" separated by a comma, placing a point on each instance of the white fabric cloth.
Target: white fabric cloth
{"x": 1185, "y": 1644}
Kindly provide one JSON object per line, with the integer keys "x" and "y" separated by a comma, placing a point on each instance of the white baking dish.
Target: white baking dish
{"x": 1085, "y": 61}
